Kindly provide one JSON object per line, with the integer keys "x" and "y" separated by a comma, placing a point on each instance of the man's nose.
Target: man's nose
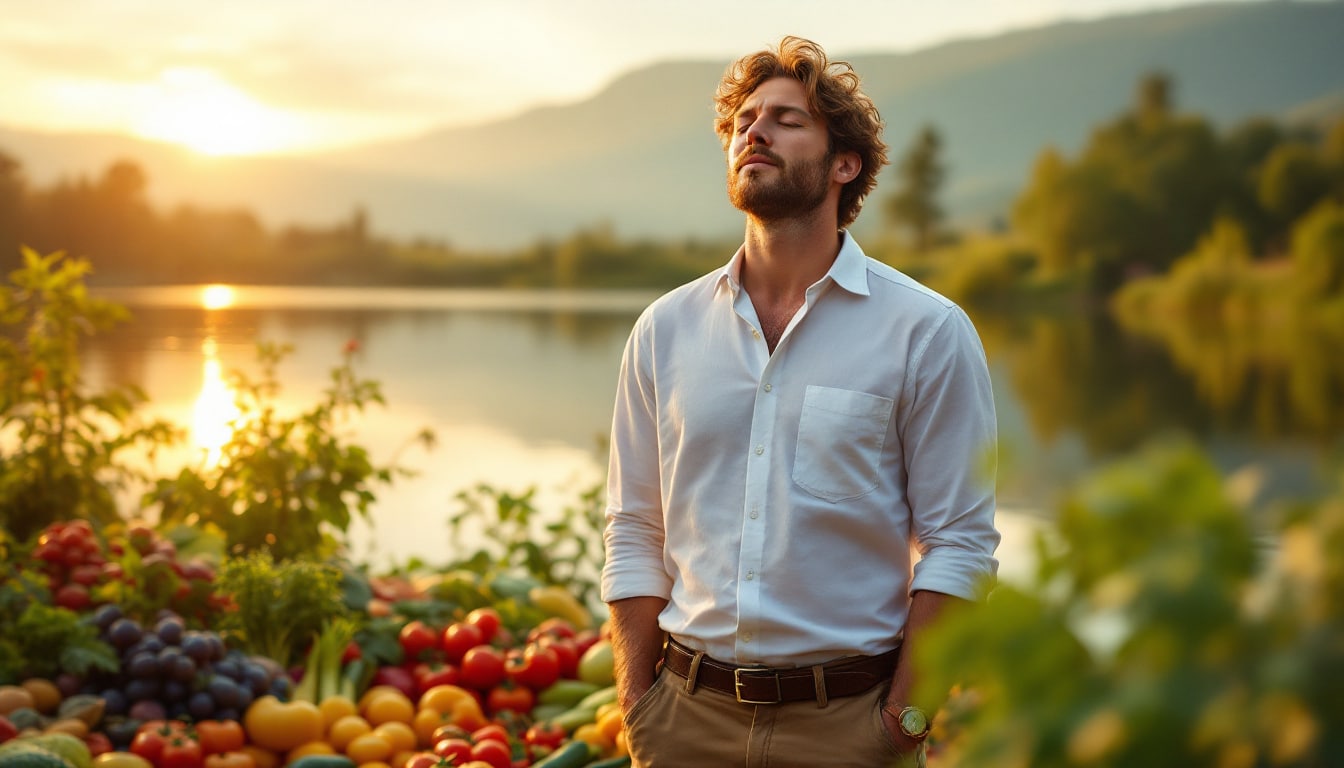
{"x": 756, "y": 133}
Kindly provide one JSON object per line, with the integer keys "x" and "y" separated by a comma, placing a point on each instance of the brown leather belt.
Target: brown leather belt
{"x": 778, "y": 685}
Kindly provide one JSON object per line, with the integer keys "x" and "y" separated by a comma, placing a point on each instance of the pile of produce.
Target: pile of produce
{"x": 120, "y": 650}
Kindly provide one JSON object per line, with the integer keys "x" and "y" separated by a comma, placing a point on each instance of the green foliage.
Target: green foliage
{"x": 914, "y": 207}
{"x": 45, "y": 640}
{"x": 1154, "y": 634}
{"x": 283, "y": 484}
{"x": 63, "y": 443}
{"x": 515, "y": 538}
{"x": 280, "y": 605}
{"x": 1293, "y": 179}
{"x": 1318, "y": 252}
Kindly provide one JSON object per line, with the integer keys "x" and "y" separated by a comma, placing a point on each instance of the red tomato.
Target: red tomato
{"x": 537, "y": 667}
{"x": 181, "y": 752}
{"x": 566, "y": 652}
{"x": 428, "y": 675}
{"x": 428, "y": 760}
{"x": 457, "y": 750}
{"x": 493, "y": 752}
{"x": 485, "y": 619}
{"x": 515, "y": 698}
{"x": 7, "y": 729}
{"x": 74, "y": 597}
{"x": 97, "y": 742}
{"x": 352, "y": 651}
{"x": 218, "y": 736}
{"x": 491, "y": 732}
{"x": 482, "y": 668}
{"x": 545, "y": 734}
{"x": 416, "y": 638}
{"x": 585, "y": 640}
{"x": 459, "y": 638}
{"x": 554, "y": 626}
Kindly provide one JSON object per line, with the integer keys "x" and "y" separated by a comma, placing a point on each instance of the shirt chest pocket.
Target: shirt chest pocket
{"x": 840, "y": 437}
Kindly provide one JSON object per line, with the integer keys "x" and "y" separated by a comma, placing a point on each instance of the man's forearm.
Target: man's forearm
{"x": 637, "y": 643}
{"x": 924, "y": 608}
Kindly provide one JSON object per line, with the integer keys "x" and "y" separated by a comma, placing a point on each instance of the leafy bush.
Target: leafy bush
{"x": 65, "y": 460}
{"x": 283, "y": 484}
{"x": 1158, "y": 632}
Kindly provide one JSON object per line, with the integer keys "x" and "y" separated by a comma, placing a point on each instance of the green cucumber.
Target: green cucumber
{"x": 573, "y": 754}
{"x": 548, "y": 711}
{"x": 322, "y": 761}
{"x": 573, "y": 718}
{"x": 612, "y": 762}
{"x": 598, "y": 698}
{"x": 566, "y": 692}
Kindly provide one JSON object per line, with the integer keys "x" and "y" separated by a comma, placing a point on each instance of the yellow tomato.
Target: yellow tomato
{"x": 390, "y": 708}
{"x": 610, "y": 724}
{"x": 282, "y": 726}
{"x": 368, "y": 748}
{"x": 346, "y": 730}
{"x": 400, "y": 758}
{"x": 262, "y": 757}
{"x": 333, "y": 708}
{"x": 400, "y": 735}
{"x": 375, "y": 692}
{"x": 309, "y": 749}
{"x": 376, "y": 764}
{"x": 590, "y": 734}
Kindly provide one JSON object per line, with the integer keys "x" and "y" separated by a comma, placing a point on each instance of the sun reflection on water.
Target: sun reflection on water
{"x": 216, "y": 409}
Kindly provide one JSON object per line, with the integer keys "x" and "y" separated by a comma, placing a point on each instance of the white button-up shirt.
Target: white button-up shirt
{"x": 775, "y": 499}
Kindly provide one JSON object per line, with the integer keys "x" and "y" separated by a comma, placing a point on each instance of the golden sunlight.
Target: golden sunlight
{"x": 217, "y": 296}
{"x": 199, "y": 109}
{"x": 216, "y": 409}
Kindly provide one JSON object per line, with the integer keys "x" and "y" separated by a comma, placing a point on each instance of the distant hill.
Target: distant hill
{"x": 641, "y": 155}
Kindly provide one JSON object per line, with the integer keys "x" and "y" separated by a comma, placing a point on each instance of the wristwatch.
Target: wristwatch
{"x": 912, "y": 721}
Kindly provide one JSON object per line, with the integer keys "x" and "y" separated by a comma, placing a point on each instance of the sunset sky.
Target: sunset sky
{"x": 248, "y": 76}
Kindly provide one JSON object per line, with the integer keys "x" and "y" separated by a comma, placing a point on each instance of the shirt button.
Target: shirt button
{"x": 746, "y": 637}
{"x": 760, "y": 449}
{"x": 751, "y": 575}
{"x": 755, "y": 334}
{"x": 768, "y": 387}
{"x": 755, "y": 514}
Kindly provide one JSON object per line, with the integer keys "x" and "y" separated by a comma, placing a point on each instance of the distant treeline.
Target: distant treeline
{"x": 1135, "y": 201}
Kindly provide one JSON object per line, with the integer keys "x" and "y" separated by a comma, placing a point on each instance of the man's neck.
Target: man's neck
{"x": 782, "y": 258}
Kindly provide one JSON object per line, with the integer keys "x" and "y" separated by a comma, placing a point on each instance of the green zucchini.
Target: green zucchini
{"x": 612, "y": 762}
{"x": 598, "y": 698}
{"x": 573, "y": 754}
{"x": 573, "y": 718}
{"x": 566, "y": 692}
{"x": 322, "y": 761}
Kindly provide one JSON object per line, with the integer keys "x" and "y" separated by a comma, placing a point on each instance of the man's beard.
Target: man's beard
{"x": 801, "y": 188}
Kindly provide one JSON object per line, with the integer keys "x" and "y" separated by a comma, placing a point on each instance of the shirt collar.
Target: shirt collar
{"x": 849, "y": 270}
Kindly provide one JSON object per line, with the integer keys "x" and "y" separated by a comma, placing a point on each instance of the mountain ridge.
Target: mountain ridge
{"x": 640, "y": 153}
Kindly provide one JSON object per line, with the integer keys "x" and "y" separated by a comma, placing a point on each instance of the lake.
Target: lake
{"x": 517, "y": 387}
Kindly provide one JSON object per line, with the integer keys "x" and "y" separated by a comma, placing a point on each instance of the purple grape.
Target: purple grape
{"x": 123, "y": 633}
{"x": 106, "y": 615}
{"x": 227, "y": 693}
{"x": 147, "y": 709}
{"x": 282, "y": 688}
{"x": 182, "y": 669}
{"x": 142, "y": 689}
{"x": 257, "y": 677}
{"x": 229, "y": 668}
{"x": 197, "y": 647}
{"x": 228, "y": 713}
{"x": 174, "y": 690}
{"x": 114, "y": 701}
{"x": 201, "y": 705}
{"x": 143, "y": 666}
{"x": 170, "y": 630}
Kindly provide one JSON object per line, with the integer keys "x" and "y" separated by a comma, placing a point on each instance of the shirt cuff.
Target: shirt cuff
{"x": 967, "y": 575}
{"x": 618, "y": 585}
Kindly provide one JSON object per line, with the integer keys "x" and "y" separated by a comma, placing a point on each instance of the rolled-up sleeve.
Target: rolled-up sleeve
{"x": 634, "y": 533}
{"x": 950, "y": 437}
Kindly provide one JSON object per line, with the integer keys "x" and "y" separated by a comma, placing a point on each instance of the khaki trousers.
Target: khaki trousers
{"x": 670, "y": 727}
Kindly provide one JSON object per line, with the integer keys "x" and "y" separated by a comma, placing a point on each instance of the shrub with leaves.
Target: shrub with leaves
{"x": 62, "y": 451}
{"x": 284, "y": 485}
{"x": 278, "y": 606}
{"x": 1159, "y": 632}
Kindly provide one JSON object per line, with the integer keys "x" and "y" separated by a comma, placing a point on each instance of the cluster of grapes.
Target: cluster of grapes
{"x": 168, "y": 671}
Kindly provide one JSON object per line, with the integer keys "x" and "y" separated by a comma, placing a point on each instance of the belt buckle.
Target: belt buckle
{"x": 737, "y": 685}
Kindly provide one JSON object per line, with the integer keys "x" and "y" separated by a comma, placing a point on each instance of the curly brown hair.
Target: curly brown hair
{"x": 852, "y": 121}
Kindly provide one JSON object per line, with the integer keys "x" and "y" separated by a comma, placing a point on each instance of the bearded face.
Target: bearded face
{"x": 779, "y": 189}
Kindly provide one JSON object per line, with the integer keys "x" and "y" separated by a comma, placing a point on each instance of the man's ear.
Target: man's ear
{"x": 846, "y": 166}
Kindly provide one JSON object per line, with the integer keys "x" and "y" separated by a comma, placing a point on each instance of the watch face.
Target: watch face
{"x": 914, "y": 722}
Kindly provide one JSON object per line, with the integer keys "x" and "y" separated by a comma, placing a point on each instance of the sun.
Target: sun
{"x": 197, "y": 108}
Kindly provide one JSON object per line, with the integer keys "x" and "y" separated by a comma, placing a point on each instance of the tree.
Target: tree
{"x": 915, "y": 206}
{"x": 1318, "y": 251}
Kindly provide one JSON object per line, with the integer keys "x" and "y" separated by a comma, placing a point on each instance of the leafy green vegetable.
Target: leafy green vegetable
{"x": 281, "y": 606}
{"x": 47, "y": 640}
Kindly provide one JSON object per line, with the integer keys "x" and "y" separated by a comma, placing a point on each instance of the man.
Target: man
{"x": 786, "y": 430}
